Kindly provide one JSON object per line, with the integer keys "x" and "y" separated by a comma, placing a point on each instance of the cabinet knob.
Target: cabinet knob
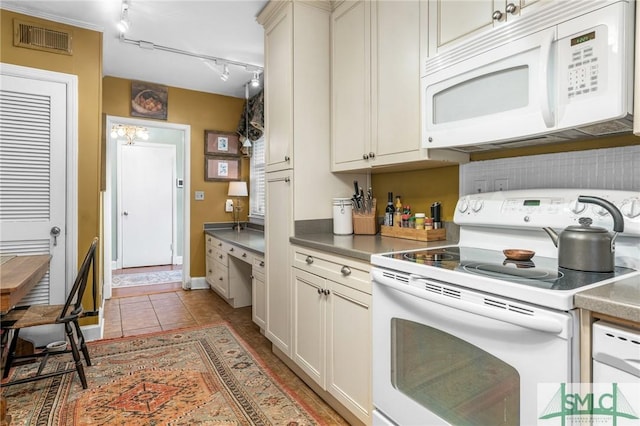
{"x": 262, "y": 263}
{"x": 231, "y": 249}
{"x": 220, "y": 278}
{"x": 219, "y": 244}
{"x": 345, "y": 270}
{"x": 365, "y": 156}
{"x": 220, "y": 256}
{"x": 244, "y": 254}
{"x": 210, "y": 251}
{"x": 497, "y": 15}
{"x": 287, "y": 179}
{"x": 309, "y": 260}
{"x": 327, "y": 292}
{"x": 286, "y": 158}
{"x": 372, "y": 155}
{"x": 210, "y": 271}
{"x": 511, "y": 9}
{"x": 320, "y": 291}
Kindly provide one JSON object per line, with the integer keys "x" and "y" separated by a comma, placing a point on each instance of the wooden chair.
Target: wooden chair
{"x": 67, "y": 314}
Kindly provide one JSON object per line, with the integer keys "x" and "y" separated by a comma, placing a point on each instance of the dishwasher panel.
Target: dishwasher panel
{"x": 616, "y": 354}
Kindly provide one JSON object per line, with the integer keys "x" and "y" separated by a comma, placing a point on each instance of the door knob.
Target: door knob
{"x": 125, "y": 213}
{"x": 55, "y": 231}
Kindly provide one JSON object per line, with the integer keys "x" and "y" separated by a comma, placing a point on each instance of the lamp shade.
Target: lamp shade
{"x": 238, "y": 189}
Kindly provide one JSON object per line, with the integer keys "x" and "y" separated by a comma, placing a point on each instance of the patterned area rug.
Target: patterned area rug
{"x": 146, "y": 278}
{"x": 202, "y": 376}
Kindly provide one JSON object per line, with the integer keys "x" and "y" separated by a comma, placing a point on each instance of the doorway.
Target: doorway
{"x": 163, "y": 138}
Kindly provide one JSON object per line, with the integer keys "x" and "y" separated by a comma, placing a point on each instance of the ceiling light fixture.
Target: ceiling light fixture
{"x": 255, "y": 69}
{"x": 225, "y": 74}
{"x": 124, "y": 23}
{"x": 255, "y": 81}
{"x": 130, "y": 132}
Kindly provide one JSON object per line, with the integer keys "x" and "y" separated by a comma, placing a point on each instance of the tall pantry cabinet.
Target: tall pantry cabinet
{"x": 299, "y": 182}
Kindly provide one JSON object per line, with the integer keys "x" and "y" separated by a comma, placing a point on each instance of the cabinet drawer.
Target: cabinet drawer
{"x": 220, "y": 256}
{"x": 351, "y": 273}
{"x": 240, "y": 253}
{"x": 258, "y": 264}
{"x": 220, "y": 281}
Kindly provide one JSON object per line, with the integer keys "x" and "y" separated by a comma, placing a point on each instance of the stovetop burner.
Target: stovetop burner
{"x": 541, "y": 272}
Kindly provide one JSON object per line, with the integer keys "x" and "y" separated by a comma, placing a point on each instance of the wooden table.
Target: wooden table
{"x": 18, "y": 276}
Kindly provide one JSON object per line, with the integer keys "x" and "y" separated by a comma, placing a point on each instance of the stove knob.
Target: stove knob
{"x": 600, "y": 211}
{"x": 477, "y": 205}
{"x": 577, "y": 207}
{"x": 631, "y": 208}
{"x": 463, "y": 205}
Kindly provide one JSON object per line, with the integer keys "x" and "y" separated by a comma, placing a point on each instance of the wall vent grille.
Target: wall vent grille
{"x": 33, "y": 36}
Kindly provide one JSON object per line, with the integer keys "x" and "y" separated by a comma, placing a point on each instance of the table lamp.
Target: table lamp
{"x": 237, "y": 189}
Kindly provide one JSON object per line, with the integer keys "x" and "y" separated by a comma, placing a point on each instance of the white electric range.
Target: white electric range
{"x": 464, "y": 335}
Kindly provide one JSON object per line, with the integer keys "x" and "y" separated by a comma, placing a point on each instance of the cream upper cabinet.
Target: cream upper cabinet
{"x": 278, "y": 88}
{"x": 452, "y": 21}
{"x": 375, "y": 92}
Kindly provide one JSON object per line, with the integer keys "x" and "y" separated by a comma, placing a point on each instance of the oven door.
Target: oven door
{"x": 448, "y": 355}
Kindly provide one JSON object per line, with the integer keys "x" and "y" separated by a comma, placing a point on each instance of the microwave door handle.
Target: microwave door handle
{"x": 545, "y": 59}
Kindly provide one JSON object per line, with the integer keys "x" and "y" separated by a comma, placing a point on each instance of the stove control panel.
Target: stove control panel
{"x": 536, "y": 208}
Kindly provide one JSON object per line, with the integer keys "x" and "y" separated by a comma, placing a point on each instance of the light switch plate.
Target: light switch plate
{"x": 199, "y": 195}
{"x": 228, "y": 206}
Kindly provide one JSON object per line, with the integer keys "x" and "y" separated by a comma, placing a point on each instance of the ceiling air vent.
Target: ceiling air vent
{"x": 39, "y": 37}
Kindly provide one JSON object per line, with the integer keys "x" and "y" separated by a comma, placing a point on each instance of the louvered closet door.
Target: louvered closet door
{"x": 32, "y": 177}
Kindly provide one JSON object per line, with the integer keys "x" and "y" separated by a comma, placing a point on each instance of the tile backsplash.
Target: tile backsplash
{"x": 609, "y": 168}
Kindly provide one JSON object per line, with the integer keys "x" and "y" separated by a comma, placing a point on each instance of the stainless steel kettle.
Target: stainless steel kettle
{"x": 588, "y": 248}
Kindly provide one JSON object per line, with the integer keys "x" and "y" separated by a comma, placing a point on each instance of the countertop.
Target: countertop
{"x": 620, "y": 299}
{"x": 249, "y": 239}
{"x": 361, "y": 246}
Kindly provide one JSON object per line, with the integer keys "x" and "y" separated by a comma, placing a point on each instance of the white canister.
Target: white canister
{"x": 342, "y": 221}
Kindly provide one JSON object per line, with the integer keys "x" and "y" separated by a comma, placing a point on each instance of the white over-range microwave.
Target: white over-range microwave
{"x": 564, "y": 72}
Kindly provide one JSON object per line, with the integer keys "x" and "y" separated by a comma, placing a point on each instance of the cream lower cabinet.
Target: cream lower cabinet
{"x": 259, "y": 294}
{"x": 217, "y": 266}
{"x": 332, "y": 327}
{"x": 229, "y": 271}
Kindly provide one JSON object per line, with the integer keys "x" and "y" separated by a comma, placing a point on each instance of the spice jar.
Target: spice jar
{"x": 420, "y": 217}
{"x": 428, "y": 223}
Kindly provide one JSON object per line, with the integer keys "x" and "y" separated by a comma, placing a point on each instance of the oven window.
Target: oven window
{"x": 454, "y": 379}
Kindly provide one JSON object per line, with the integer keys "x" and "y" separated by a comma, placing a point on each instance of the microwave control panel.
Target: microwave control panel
{"x": 586, "y": 57}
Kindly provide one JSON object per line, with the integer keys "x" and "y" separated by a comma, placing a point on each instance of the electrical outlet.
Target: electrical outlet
{"x": 480, "y": 186}
{"x": 228, "y": 206}
{"x": 501, "y": 184}
{"x": 199, "y": 195}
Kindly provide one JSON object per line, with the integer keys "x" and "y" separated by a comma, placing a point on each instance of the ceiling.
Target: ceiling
{"x": 225, "y": 29}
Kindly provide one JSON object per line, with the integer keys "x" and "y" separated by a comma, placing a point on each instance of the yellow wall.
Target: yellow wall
{"x": 201, "y": 111}
{"x": 419, "y": 189}
{"x": 86, "y": 63}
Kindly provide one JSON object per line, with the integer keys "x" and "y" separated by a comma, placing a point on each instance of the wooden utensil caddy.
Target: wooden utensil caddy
{"x": 365, "y": 223}
{"x": 414, "y": 234}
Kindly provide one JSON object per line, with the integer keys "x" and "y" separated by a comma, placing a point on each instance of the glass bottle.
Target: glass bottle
{"x": 389, "y": 210}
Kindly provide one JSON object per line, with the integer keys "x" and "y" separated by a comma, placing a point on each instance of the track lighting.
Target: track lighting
{"x": 255, "y": 81}
{"x": 124, "y": 23}
{"x": 225, "y": 74}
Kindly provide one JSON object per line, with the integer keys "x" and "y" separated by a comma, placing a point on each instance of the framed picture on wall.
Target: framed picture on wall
{"x": 149, "y": 100}
{"x": 219, "y": 168}
{"x": 221, "y": 143}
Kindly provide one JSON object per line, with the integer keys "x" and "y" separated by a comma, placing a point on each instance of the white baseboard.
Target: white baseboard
{"x": 199, "y": 283}
{"x": 94, "y": 331}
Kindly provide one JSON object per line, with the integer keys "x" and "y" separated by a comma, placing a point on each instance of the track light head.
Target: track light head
{"x": 124, "y": 23}
{"x": 225, "y": 73}
{"x": 255, "y": 81}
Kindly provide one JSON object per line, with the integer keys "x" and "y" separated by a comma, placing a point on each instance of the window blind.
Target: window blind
{"x": 257, "y": 175}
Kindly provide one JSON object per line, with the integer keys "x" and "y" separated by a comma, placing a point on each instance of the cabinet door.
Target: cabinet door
{"x": 221, "y": 280}
{"x": 309, "y": 324}
{"x": 349, "y": 349}
{"x": 396, "y": 95}
{"x": 278, "y": 229}
{"x": 452, "y": 21}
{"x": 351, "y": 85}
{"x": 258, "y": 295}
{"x": 278, "y": 90}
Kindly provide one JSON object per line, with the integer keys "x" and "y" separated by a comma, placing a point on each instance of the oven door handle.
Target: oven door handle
{"x": 547, "y": 325}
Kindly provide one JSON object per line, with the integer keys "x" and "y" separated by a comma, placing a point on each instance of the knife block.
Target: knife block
{"x": 365, "y": 223}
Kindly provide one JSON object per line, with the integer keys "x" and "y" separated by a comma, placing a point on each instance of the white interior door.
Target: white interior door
{"x": 33, "y": 147}
{"x": 147, "y": 177}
